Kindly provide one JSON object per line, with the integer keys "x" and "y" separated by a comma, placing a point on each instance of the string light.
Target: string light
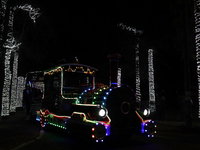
{"x": 20, "y": 88}
{"x": 33, "y": 12}
{"x": 119, "y": 77}
{"x": 2, "y": 18}
{"x": 12, "y": 46}
{"x": 13, "y": 102}
{"x": 151, "y": 81}
{"x": 137, "y": 70}
{"x": 130, "y": 29}
{"x": 197, "y": 40}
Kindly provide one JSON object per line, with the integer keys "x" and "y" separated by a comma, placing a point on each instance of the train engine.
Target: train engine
{"x": 73, "y": 103}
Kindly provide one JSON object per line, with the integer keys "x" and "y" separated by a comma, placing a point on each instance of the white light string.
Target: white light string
{"x": 137, "y": 69}
{"x": 197, "y": 40}
{"x": 12, "y": 46}
{"x": 20, "y": 88}
{"x": 152, "y": 106}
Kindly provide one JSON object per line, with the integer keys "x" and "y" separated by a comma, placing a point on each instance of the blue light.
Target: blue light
{"x": 142, "y": 127}
{"x": 104, "y": 97}
{"x": 107, "y": 93}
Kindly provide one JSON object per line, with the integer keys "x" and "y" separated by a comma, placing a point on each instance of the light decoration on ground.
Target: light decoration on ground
{"x": 12, "y": 46}
{"x": 197, "y": 40}
{"x": 137, "y": 70}
{"x": 151, "y": 81}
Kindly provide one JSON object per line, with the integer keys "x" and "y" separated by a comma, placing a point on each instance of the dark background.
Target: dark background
{"x": 89, "y": 31}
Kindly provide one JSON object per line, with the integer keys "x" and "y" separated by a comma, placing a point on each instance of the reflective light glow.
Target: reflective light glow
{"x": 197, "y": 40}
{"x": 151, "y": 81}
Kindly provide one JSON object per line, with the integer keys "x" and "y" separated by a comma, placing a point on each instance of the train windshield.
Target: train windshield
{"x": 77, "y": 80}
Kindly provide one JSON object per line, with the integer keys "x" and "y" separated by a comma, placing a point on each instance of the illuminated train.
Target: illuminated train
{"x": 71, "y": 102}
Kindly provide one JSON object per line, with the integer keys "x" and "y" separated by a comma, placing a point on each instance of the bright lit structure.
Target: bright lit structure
{"x": 12, "y": 46}
{"x": 197, "y": 40}
{"x": 137, "y": 65}
{"x": 151, "y": 81}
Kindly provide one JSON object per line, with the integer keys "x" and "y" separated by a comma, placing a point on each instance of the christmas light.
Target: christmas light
{"x": 151, "y": 81}
{"x": 137, "y": 70}
{"x": 12, "y": 46}
{"x": 13, "y": 102}
{"x": 119, "y": 77}
{"x": 2, "y": 18}
{"x": 197, "y": 40}
{"x": 33, "y": 12}
{"x": 20, "y": 87}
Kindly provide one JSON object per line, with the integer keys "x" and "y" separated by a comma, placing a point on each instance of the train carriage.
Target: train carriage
{"x": 71, "y": 102}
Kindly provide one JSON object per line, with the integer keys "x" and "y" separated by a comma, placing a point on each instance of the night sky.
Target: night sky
{"x": 89, "y": 31}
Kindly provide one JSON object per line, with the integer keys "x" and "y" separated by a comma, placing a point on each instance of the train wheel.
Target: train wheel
{"x": 121, "y": 106}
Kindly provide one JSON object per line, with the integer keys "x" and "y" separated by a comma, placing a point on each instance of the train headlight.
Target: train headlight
{"x": 146, "y": 112}
{"x": 102, "y": 112}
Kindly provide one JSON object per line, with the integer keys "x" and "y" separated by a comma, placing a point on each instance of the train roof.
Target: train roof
{"x": 77, "y": 64}
{"x": 71, "y": 67}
